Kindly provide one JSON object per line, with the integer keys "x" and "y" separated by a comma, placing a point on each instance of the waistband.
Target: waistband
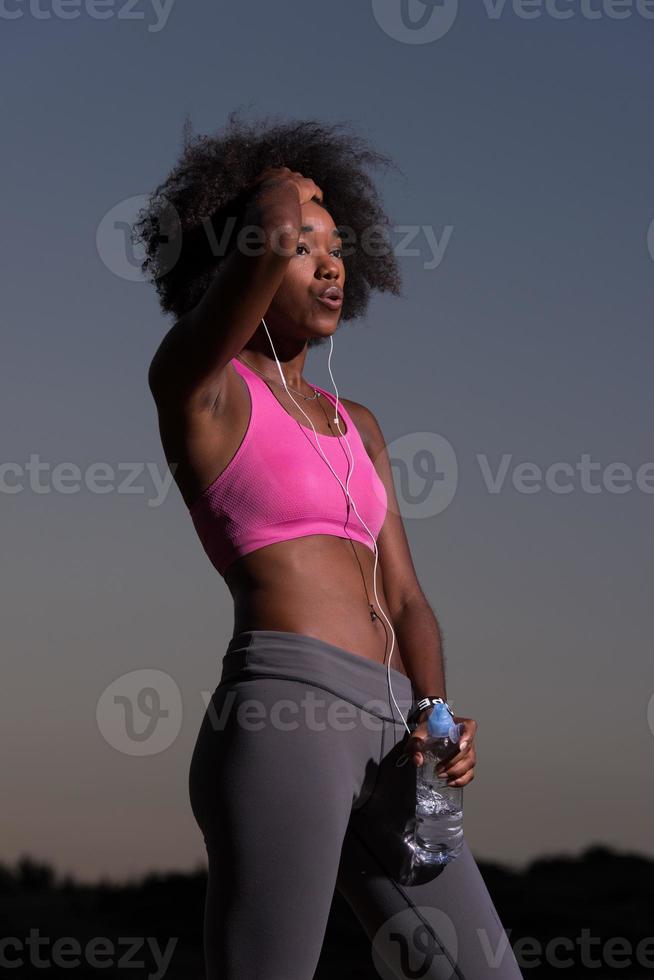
{"x": 299, "y": 657}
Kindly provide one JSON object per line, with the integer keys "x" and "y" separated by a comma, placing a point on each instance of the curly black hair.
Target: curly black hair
{"x": 207, "y": 192}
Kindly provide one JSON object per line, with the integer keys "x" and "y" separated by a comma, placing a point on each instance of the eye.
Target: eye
{"x": 337, "y": 249}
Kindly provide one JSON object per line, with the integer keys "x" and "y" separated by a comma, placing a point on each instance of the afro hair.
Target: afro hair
{"x": 206, "y": 193}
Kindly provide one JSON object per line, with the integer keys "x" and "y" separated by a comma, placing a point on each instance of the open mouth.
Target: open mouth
{"x": 333, "y": 302}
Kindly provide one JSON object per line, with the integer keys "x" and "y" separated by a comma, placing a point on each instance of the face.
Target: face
{"x": 297, "y": 312}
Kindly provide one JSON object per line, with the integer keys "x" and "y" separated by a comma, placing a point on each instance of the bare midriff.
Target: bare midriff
{"x": 315, "y": 585}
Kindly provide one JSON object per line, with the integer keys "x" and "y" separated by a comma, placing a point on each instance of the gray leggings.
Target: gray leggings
{"x": 294, "y": 785}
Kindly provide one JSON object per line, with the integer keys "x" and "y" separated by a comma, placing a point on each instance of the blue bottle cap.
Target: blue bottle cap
{"x": 439, "y": 721}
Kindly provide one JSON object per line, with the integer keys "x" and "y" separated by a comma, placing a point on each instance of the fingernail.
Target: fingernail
{"x": 463, "y": 745}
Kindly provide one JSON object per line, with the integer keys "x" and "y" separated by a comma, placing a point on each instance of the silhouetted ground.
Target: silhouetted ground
{"x": 601, "y": 902}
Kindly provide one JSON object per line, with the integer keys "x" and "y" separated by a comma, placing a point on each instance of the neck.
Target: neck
{"x": 292, "y": 369}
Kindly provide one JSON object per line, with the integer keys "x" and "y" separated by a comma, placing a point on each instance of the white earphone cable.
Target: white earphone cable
{"x": 348, "y": 494}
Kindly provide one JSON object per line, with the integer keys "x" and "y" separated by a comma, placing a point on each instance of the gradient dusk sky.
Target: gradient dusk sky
{"x": 523, "y": 212}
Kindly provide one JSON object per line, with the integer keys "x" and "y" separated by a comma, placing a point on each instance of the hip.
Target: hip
{"x": 315, "y": 662}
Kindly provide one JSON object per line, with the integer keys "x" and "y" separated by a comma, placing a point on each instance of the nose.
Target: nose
{"x": 328, "y": 268}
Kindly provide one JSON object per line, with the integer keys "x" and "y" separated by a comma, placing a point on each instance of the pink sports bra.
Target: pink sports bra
{"x": 277, "y": 485}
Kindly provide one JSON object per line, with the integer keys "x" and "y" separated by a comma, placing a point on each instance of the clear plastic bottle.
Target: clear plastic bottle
{"x": 438, "y": 836}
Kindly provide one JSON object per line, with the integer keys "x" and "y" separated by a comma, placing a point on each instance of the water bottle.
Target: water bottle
{"x": 438, "y": 834}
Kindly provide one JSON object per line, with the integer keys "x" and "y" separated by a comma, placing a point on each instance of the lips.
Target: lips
{"x": 331, "y": 297}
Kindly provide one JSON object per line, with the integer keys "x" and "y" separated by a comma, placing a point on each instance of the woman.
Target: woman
{"x": 290, "y": 490}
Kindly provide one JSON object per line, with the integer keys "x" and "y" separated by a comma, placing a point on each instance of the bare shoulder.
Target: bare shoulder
{"x": 368, "y": 426}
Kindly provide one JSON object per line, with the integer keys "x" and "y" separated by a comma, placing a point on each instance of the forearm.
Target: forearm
{"x": 419, "y": 638}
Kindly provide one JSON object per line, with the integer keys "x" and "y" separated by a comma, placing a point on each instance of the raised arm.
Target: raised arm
{"x": 189, "y": 364}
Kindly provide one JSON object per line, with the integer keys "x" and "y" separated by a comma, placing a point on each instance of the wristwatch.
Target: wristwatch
{"x": 419, "y": 706}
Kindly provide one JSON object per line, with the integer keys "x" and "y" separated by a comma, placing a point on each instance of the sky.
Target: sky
{"x": 517, "y": 360}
